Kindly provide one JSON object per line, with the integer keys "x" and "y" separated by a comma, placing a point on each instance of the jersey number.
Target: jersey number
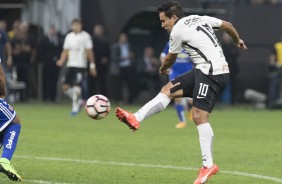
{"x": 208, "y": 31}
{"x": 203, "y": 90}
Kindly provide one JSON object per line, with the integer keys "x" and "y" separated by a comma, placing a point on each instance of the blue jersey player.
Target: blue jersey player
{"x": 10, "y": 128}
{"x": 182, "y": 65}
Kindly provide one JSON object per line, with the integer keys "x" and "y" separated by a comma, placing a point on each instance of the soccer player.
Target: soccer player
{"x": 77, "y": 49}
{"x": 182, "y": 65}
{"x": 10, "y": 128}
{"x": 204, "y": 83}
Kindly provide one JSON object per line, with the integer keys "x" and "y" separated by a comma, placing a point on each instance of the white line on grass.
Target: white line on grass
{"x": 279, "y": 180}
{"x": 38, "y": 181}
{"x": 44, "y": 182}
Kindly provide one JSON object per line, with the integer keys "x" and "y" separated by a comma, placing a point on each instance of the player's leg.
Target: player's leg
{"x": 178, "y": 102}
{"x": 9, "y": 133}
{"x": 189, "y": 105}
{"x": 206, "y": 135}
{"x": 76, "y": 99}
{"x": 77, "y": 91}
{"x": 67, "y": 90}
{"x": 67, "y": 83}
{"x": 179, "y": 105}
{"x": 154, "y": 106}
{"x": 173, "y": 89}
{"x": 206, "y": 92}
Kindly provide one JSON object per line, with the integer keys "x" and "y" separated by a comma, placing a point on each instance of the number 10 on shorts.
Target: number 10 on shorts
{"x": 203, "y": 90}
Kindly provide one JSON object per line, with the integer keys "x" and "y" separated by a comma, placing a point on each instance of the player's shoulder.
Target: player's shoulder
{"x": 84, "y": 33}
{"x": 187, "y": 21}
{"x": 2, "y": 101}
{"x": 69, "y": 35}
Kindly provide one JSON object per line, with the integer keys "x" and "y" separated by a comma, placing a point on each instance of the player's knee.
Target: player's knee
{"x": 17, "y": 120}
{"x": 199, "y": 117}
{"x": 178, "y": 101}
{"x": 196, "y": 117}
{"x": 65, "y": 87}
{"x": 166, "y": 90}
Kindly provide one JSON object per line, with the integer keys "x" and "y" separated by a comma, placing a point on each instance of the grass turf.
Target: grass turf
{"x": 55, "y": 148}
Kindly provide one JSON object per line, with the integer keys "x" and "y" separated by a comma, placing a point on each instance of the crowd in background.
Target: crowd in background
{"x": 117, "y": 67}
{"x": 254, "y": 2}
{"x": 121, "y": 76}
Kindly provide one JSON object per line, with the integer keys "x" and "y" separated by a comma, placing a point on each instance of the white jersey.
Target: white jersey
{"x": 77, "y": 44}
{"x": 195, "y": 34}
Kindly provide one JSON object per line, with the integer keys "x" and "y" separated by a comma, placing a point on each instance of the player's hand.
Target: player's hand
{"x": 163, "y": 71}
{"x": 241, "y": 45}
{"x": 60, "y": 63}
{"x": 93, "y": 72}
{"x": 9, "y": 61}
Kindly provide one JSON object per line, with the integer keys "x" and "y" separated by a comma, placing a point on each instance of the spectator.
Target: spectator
{"x": 275, "y": 73}
{"x": 3, "y": 25}
{"x": 147, "y": 69}
{"x": 5, "y": 52}
{"x": 231, "y": 54}
{"x": 15, "y": 29}
{"x": 23, "y": 56}
{"x": 123, "y": 64}
{"x": 50, "y": 49}
{"x": 102, "y": 52}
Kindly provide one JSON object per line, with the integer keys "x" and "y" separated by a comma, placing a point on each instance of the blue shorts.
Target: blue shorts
{"x": 7, "y": 114}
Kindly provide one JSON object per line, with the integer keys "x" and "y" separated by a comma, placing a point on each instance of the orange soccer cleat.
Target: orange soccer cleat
{"x": 180, "y": 125}
{"x": 127, "y": 118}
{"x": 205, "y": 173}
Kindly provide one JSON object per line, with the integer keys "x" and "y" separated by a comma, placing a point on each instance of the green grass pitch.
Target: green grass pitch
{"x": 55, "y": 148}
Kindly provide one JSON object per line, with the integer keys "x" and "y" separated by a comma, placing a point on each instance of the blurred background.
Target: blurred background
{"x": 34, "y": 75}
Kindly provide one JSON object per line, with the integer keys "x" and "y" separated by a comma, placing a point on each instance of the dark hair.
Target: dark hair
{"x": 171, "y": 8}
{"x": 75, "y": 21}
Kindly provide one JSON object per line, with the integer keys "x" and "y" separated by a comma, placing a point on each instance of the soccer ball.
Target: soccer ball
{"x": 97, "y": 107}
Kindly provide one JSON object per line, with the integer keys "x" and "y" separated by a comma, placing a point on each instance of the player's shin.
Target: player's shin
{"x": 180, "y": 112}
{"x": 76, "y": 98}
{"x": 69, "y": 93}
{"x": 10, "y": 139}
{"x": 154, "y": 106}
{"x": 206, "y": 138}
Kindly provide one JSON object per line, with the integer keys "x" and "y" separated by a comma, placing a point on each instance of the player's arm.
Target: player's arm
{"x": 2, "y": 82}
{"x": 168, "y": 62}
{"x": 8, "y": 49}
{"x": 63, "y": 58}
{"x": 33, "y": 55}
{"x": 228, "y": 28}
{"x": 91, "y": 60}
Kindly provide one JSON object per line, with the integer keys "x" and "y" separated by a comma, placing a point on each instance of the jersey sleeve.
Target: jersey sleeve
{"x": 88, "y": 42}
{"x": 67, "y": 42}
{"x": 214, "y": 22}
{"x": 175, "y": 42}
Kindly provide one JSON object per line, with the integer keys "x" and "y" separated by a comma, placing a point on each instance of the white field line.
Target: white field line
{"x": 44, "y": 182}
{"x": 38, "y": 181}
{"x": 258, "y": 176}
